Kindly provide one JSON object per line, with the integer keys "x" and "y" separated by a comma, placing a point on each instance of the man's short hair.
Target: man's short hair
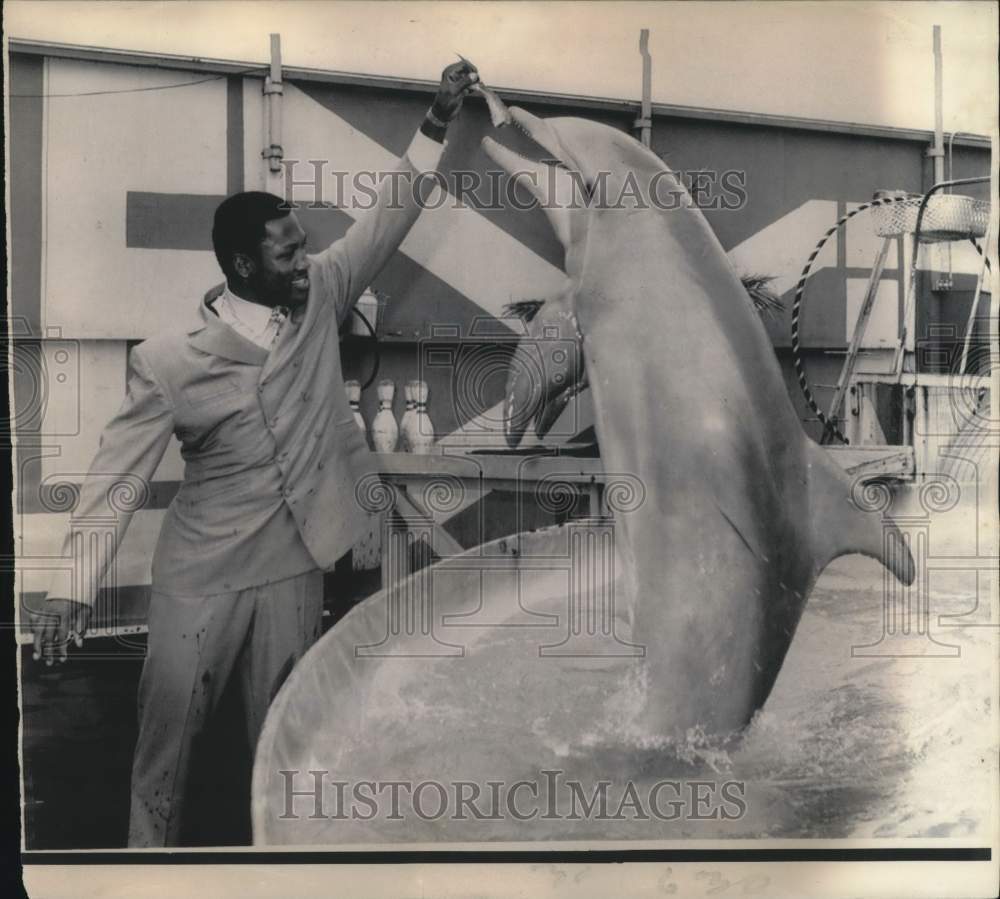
{"x": 239, "y": 225}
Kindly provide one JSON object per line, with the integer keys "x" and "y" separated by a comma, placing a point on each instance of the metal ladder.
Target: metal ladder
{"x": 854, "y": 350}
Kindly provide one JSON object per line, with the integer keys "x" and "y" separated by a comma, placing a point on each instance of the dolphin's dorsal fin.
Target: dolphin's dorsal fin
{"x": 840, "y": 525}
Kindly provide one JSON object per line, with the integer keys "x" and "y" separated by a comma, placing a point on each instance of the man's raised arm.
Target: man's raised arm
{"x": 350, "y": 264}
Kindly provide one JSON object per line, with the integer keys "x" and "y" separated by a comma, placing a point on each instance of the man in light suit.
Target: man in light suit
{"x": 272, "y": 461}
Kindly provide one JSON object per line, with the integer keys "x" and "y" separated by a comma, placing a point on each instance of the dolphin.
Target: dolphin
{"x": 460, "y": 672}
{"x": 743, "y": 511}
{"x": 547, "y": 370}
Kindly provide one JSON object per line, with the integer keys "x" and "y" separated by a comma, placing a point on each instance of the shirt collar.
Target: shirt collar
{"x": 252, "y": 315}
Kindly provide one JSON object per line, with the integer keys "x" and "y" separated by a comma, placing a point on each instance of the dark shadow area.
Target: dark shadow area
{"x": 80, "y": 731}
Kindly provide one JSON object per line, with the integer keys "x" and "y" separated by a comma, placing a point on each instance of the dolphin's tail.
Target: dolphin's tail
{"x": 849, "y": 517}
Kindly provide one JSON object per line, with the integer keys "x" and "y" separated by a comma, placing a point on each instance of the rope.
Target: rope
{"x": 378, "y": 354}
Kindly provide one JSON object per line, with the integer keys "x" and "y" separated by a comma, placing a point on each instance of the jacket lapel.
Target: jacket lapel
{"x": 213, "y": 336}
{"x": 301, "y": 326}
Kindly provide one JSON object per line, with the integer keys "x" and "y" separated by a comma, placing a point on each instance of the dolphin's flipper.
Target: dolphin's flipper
{"x": 842, "y": 525}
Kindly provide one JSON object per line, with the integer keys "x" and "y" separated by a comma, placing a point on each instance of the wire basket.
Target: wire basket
{"x": 946, "y": 217}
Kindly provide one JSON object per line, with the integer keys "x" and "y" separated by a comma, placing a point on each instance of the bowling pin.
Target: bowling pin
{"x": 422, "y": 430}
{"x": 385, "y": 431}
{"x": 353, "y": 391}
{"x": 405, "y": 423}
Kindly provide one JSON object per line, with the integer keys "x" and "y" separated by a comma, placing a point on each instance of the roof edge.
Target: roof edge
{"x": 544, "y": 98}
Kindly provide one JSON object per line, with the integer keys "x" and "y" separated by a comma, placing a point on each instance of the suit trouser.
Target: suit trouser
{"x": 195, "y": 644}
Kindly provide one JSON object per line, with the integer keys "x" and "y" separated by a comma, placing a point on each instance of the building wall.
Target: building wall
{"x": 110, "y": 222}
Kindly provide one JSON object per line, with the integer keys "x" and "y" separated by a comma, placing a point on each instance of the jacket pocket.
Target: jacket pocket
{"x": 216, "y": 389}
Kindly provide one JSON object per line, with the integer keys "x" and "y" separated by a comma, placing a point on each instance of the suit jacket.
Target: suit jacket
{"x": 273, "y": 457}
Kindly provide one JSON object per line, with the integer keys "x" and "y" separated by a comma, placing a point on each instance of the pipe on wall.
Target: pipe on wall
{"x": 644, "y": 123}
{"x": 273, "y": 90}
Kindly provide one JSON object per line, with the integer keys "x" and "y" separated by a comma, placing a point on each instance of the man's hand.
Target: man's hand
{"x": 58, "y": 622}
{"x": 456, "y": 81}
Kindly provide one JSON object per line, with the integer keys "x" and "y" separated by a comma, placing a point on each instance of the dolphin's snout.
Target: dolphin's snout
{"x": 544, "y": 372}
{"x": 524, "y": 392}
{"x": 558, "y": 188}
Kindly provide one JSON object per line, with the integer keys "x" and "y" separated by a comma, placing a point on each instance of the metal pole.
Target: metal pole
{"x": 645, "y": 121}
{"x": 940, "y": 255}
{"x": 987, "y": 243}
{"x": 273, "y": 90}
{"x": 938, "y": 151}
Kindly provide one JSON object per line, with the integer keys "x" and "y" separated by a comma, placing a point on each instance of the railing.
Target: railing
{"x": 944, "y": 419}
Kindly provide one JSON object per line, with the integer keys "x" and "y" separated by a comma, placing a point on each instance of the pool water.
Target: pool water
{"x": 899, "y": 740}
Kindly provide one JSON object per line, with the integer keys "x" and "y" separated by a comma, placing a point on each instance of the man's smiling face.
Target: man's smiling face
{"x": 281, "y": 273}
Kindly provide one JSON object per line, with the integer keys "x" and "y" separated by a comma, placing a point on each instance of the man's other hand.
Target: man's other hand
{"x": 456, "y": 81}
{"x": 54, "y": 625}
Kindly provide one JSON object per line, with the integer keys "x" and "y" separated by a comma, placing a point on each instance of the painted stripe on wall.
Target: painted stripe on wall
{"x": 459, "y": 246}
{"x": 417, "y": 299}
{"x": 391, "y": 120}
{"x": 156, "y": 221}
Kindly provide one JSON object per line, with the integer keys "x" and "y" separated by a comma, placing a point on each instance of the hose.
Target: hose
{"x": 378, "y": 354}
